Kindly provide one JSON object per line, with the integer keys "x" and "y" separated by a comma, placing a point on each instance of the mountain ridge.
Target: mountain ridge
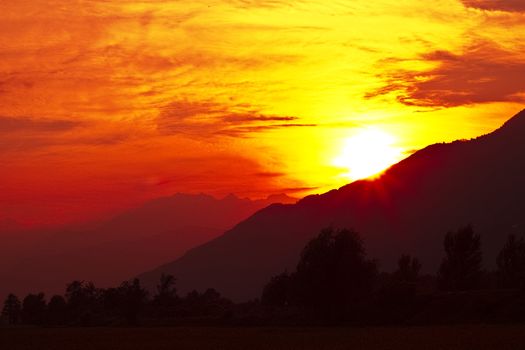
{"x": 406, "y": 210}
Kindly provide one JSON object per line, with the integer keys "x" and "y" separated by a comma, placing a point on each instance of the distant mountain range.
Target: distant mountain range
{"x": 109, "y": 252}
{"x": 407, "y": 210}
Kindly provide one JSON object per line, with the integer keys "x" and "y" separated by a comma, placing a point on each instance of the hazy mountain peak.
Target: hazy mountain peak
{"x": 231, "y": 197}
{"x": 281, "y": 198}
{"x": 109, "y": 251}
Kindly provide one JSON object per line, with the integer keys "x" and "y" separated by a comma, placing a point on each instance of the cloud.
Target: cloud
{"x": 482, "y": 73}
{"x": 10, "y": 124}
{"x": 246, "y": 131}
{"x": 208, "y": 118}
{"x": 22, "y": 134}
{"x": 270, "y": 174}
{"x": 496, "y": 5}
{"x": 255, "y": 117}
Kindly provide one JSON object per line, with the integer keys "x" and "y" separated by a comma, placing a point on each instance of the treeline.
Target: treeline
{"x": 334, "y": 282}
{"x": 85, "y": 305}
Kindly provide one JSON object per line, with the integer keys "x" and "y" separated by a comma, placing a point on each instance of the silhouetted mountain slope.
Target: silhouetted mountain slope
{"x": 108, "y": 253}
{"x": 407, "y": 210}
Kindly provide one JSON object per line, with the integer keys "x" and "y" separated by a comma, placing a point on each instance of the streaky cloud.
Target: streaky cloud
{"x": 484, "y": 72}
{"x": 207, "y": 118}
{"x": 496, "y": 5}
{"x": 11, "y": 124}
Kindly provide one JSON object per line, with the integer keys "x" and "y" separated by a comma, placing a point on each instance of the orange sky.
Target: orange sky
{"x": 107, "y": 103}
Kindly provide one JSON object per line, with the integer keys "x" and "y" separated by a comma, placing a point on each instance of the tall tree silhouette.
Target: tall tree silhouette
{"x": 57, "y": 310}
{"x": 132, "y": 300}
{"x": 12, "y": 309}
{"x": 511, "y": 263}
{"x": 277, "y": 291}
{"x": 34, "y": 309}
{"x": 333, "y": 272}
{"x": 166, "y": 287}
{"x": 407, "y": 269}
{"x": 82, "y": 301}
{"x": 166, "y": 300}
{"x": 398, "y": 291}
{"x": 461, "y": 267}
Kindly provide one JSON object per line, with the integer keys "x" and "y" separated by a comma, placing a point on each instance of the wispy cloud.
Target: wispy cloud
{"x": 483, "y": 72}
{"x": 17, "y": 124}
{"x": 496, "y": 5}
{"x": 210, "y": 118}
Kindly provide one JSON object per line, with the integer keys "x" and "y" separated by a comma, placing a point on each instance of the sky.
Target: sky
{"x": 105, "y": 104}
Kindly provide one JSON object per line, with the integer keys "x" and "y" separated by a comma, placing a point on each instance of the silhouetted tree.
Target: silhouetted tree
{"x": 408, "y": 269}
{"x": 511, "y": 263}
{"x": 110, "y": 300}
{"x": 333, "y": 272}
{"x": 12, "y": 309}
{"x": 277, "y": 291}
{"x": 192, "y": 301}
{"x": 213, "y": 304}
{"x": 208, "y": 304}
{"x": 34, "y": 309}
{"x": 398, "y": 291}
{"x": 461, "y": 267}
{"x": 57, "y": 310}
{"x": 210, "y": 296}
{"x": 166, "y": 287}
{"x": 82, "y": 300}
{"x": 166, "y": 300}
{"x": 132, "y": 298}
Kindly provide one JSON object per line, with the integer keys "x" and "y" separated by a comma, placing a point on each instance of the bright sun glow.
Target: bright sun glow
{"x": 369, "y": 152}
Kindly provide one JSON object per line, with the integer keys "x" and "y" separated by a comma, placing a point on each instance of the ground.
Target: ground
{"x": 408, "y": 338}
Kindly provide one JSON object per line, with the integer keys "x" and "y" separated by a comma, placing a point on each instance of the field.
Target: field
{"x": 416, "y": 338}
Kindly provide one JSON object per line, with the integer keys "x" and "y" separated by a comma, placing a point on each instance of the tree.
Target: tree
{"x": 166, "y": 300}
{"x": 408, "y": 269}
{"x": 80, "y": 292}
{"x": 132, "y": 298}
{"x": 207, "y": 304}
{"x": 277, "y": 291}
{"x": 398, "y": 291}
{"x": 57, "y": 310}
{"x": 82, "y": 300}
{"x": 34, "y": 309}
{"x": 166, "y": 291}
{"x": 461, "y": 267}
{"x": 211, "y": 296}
{"x": 12, "y": 309}
{"x": 511, "y": 263}
{"x": 109, "y": 298}
{"x": 333, "y": 273}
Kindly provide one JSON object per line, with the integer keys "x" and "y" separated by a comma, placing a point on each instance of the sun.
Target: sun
{"x": 367, "y": 154}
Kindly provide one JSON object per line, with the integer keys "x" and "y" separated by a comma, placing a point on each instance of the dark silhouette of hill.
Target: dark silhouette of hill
{"x": 408, "y": 209}
{"x": 108, "y": 252}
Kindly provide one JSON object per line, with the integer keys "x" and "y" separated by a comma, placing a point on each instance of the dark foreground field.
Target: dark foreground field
{"x": 417, "y": 338}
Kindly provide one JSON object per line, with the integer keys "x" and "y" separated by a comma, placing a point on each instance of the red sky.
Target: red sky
{"x": 107, "y": 103}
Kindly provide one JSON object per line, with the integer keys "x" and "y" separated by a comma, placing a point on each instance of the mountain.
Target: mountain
{"x": 109, "y": 252}
{"x": 407, "y": 210}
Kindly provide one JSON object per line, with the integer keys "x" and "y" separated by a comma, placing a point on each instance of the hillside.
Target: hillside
{"x": 407, "y": 210}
